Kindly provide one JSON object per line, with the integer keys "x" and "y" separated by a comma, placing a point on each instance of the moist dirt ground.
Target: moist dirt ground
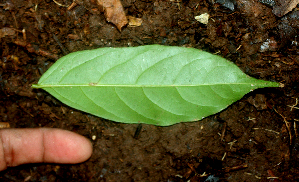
{"x": 254, "y": 139}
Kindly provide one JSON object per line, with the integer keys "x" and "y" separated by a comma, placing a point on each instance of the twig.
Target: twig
{"x": 223, "y": 131}
{"x": 232, "y": 143}
{"x": 224, "y": 155}
{"x": 138, "y": 130}
{"x": 287, "y": 125}
{"x": 234, "y": 168}
{"x": 295, "y": 128}
{"x": 74, "y": 3}
{"x": 59, "y": 4}
{"x": 276, "y": 132}
{"x": 35, "y": 49}
{"x": 65, "y": 52}
{"x": 293, "y": 106}
{"x": 137, "y": 39}
{"x": 15, "y": 19}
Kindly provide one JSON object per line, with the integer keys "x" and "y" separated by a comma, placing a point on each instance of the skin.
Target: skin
{"x": 21, "y": 146}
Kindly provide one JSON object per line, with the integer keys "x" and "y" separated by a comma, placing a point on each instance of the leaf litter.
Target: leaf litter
{"x": 114, "y": 12}
{"x": 282, "y": 7}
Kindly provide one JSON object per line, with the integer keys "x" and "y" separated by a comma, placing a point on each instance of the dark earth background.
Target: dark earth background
{"x": 254, "y": 139}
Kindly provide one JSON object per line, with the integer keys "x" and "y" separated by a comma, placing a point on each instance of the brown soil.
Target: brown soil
{"x": 249, "y": 141}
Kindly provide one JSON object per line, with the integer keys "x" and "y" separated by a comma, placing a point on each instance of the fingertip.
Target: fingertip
{"x": 20, "y": 146}
{"x": 63, "y": 146}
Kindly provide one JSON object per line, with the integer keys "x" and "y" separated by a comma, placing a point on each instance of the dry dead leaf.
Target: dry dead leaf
{"x": 134, "y": 22}
{"x": 282, "y": 7}
{"x": 114, "y": 12}
{"x": 4, "y": 125}
{"x": 203, "y": 18}
{"x": 7, "y": 31}
{"x": 250, "y": 7}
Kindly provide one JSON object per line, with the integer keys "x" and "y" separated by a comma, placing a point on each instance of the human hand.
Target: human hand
{"x": 21, "y": 146}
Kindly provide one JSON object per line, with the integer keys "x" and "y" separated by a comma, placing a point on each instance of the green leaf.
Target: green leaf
{"x": 152, "y": 84}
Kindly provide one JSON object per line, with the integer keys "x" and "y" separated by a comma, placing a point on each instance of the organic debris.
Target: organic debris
{"x": 7, "y": 31}
{"x": 282, "y": 7}
{"x": 203, "y": 18}
{"x": 4, "y": 125}
{"x": 114, "y": 12}
{"x": 35, "y": 49}
{"x": 134, "y": 22}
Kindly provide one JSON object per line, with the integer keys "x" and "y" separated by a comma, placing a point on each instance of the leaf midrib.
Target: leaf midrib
{"x": 116, "y": 85}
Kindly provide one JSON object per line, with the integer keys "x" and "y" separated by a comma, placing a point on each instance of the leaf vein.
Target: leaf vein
{"x": 158, "y": 105}
{"x": 69, "y": 71}
{"x": 183, "y": 68}
{"x": 147, "y": 69}
{"x": 109, "y": 70}
{"x": 58, "y": 65}
{"x": 99, "y": 105}
{"x": 68, "y": 99}
{"x": 129, "y": 106}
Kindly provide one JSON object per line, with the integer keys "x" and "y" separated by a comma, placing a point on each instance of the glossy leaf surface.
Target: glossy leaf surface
{"x": 153, "y": 84}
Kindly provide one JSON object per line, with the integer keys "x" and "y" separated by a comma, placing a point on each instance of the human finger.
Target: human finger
{"x": 20, "y": 146}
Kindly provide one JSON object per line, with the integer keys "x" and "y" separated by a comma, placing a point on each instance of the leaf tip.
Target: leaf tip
{"x": 273, "y": 84}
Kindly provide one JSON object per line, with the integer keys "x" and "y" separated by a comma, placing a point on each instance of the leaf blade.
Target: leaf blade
{"x": 153, "y": 84}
